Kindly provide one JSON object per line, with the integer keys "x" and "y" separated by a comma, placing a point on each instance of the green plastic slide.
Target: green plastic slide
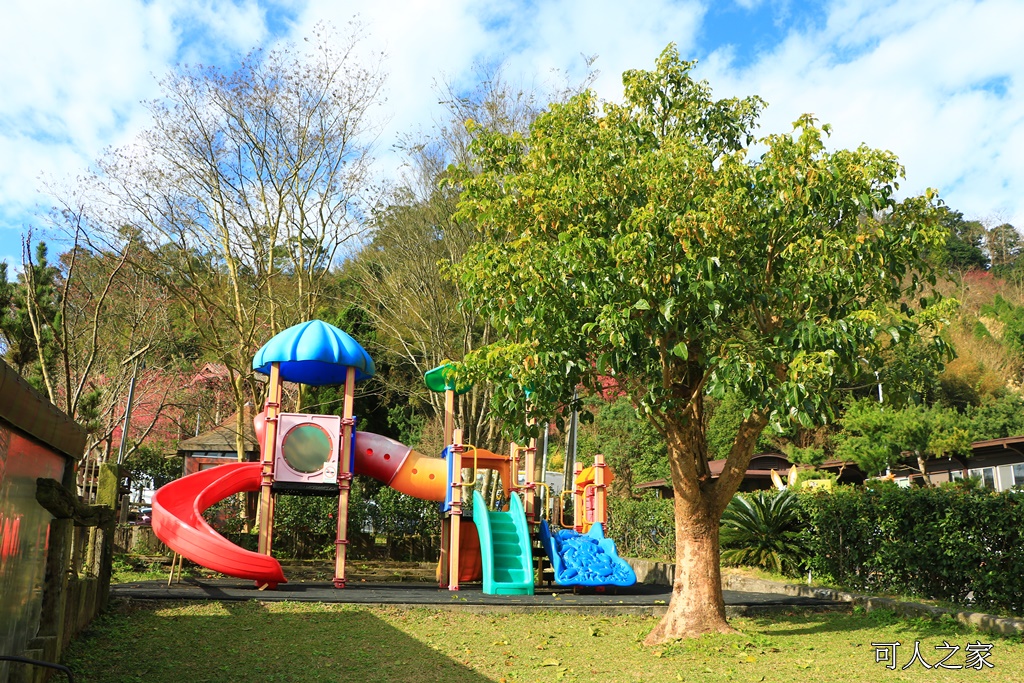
{"x": 504, "y": 548}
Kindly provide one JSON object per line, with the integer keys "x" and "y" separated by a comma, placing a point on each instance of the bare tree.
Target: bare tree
{"x": 87, "y": 312}
{"x": 247, "y": 187}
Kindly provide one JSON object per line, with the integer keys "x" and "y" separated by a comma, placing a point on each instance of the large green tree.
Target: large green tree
{"x": 644, "y": 241}
{"x": 965, "y": 241}
{"x": 1004, "y": 246}
{"x": 29, "y": 308}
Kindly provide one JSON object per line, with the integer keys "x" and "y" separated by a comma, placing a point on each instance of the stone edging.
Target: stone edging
{"x": 663, "y": 573}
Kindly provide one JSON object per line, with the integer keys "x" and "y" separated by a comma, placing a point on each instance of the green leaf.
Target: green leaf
{"x": 682, "y": 350}
{"x": 642, "y": 305}
{"x": 666, "y": 308}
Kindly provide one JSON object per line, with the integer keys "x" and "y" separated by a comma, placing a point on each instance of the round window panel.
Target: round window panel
{"x": 306, "y": 448}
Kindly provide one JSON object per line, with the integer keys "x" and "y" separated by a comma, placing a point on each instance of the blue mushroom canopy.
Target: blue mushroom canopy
{"x": 314, "y": 353}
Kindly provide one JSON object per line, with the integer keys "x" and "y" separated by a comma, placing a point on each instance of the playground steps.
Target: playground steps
{"x": 505, "y": 548}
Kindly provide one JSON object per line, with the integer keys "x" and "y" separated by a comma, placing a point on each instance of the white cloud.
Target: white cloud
{"x": 73, "y": 74}
{"x": 939, "y": 83}
{"x": 914, "y": 77}
{"x": 427, "y": 42}
{"x": 68, "y": 84}
{"x": 622, "y": 35}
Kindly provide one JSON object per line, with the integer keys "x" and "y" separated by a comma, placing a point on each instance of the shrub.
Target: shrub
{"x": 305, "y": 526}
{"x": 761, "y": 529}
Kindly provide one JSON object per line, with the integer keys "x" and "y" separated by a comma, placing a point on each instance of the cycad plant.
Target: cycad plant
{"x": 761, "y": 529}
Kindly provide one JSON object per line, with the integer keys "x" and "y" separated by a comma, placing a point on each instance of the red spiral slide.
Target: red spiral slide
{"x": 178, "y": 521}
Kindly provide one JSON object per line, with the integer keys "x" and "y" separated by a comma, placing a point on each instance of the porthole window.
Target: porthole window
{"x": 306, "y": 448}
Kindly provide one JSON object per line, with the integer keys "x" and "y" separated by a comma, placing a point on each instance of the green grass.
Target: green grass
{"x": 299, "y": 642}
{"x": 131, "y": 568}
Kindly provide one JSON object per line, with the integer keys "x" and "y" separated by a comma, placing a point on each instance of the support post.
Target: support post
{"x": 513, "y": 458}
{"x": 446, "y": 523}
{"x": 444, "y": 563}
{"x": 600, "y": 492}
{"x": 579, "y": 503}
{"x": 546, "y": 505}
{"x": 449, "y": 415}
{"x": 455, "y": 513}
{"x": 530, "y": 494}
{"x": 266, "y": 511}
{"x": 103, "y": 557}
{"x": 344, "y": 479}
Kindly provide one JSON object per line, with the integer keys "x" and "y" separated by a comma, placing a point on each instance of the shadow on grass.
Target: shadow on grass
{"x": 917, "y": 627}
{"x": 250, "y": 641}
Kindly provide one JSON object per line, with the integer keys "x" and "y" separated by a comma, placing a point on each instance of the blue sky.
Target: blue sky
{"x": 939, "y": 82}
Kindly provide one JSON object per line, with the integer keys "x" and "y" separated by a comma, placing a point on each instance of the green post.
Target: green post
{"x": 107, "y": 495}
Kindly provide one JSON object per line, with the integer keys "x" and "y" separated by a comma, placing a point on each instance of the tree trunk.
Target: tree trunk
{"x": 923, "y": 467}
{"x": 697, "y": 605}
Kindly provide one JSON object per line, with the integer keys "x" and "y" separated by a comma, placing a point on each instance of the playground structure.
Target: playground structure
{"x": 319, "y": 454}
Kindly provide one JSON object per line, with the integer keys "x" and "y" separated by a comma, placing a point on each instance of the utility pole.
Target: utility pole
{"x": 574, "y": 428}
{"x": 570, "y": 452}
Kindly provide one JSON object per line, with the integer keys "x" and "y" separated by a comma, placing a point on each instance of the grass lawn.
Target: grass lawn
{"x": 299, "y": 642}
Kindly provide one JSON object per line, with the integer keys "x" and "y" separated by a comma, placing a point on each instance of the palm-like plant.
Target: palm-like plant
{"x": 761, "y": 529}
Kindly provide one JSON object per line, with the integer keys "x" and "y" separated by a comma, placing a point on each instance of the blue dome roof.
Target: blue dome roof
{"x": 314, "y": 353}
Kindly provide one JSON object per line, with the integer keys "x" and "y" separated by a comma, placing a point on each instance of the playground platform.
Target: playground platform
{"x": 644, "y": 599}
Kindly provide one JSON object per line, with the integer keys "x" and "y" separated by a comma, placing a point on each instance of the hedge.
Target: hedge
{"x": 957, "y": 543}
{"x": 305, "y": 526}
{"x": 961, "y": 544}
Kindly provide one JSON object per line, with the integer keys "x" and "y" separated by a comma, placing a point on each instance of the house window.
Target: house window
{"x": 987, "y": 476}
{"x": 956, "y": 475}
{"x": 1018, "y": 474}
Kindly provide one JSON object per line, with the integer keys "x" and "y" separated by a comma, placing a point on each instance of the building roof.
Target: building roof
{"x": 998, "y": 446}
{"x": 211, "y": 372}
{"x": 755, "y": 469}
{"x": 221, "y": 439}
{"x": 717, "y": 466}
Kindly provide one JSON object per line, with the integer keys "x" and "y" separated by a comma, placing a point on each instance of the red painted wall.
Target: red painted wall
{"x": 24, "y": 529}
